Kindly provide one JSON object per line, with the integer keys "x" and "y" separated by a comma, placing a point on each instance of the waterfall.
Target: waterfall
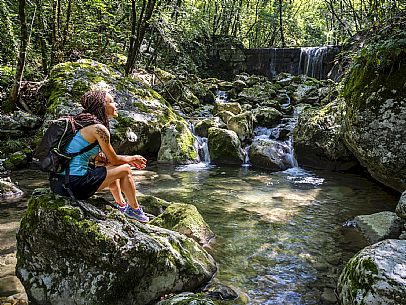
{"x": 221, "y": 96}
{"x": 201, "y": 143}
{"x": 311, "y": 61}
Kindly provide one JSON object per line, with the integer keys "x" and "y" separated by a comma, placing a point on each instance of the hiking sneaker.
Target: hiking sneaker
{"x": 137, "y": 214}
{"x": 120, "y": 207}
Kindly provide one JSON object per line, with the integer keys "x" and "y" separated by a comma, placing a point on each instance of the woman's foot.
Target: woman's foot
{"x": 137, "y": 214}
{"x": 121, "y": 206}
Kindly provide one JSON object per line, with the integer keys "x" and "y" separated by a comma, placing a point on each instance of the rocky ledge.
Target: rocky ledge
{"x": 85, "y": 252}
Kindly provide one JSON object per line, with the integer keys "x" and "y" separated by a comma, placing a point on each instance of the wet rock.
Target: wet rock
{"x": 380, "y": 226}
{"x": 224, "y": 147}
{"x": 328, "y": 296}
{"x": 202, "y": 127}
{"x": 401, "y": 206}
{"x": 77, "y": 252}
{"x": 8, "y": 190}
{"x": 306, "y": 93}
{"x": 375, "y": 275}
{"x": 185, "y": 219}
{"x": 188, "y": 298}
{"x": 225, "y": 116}
{"x": 242, "y": 124}
{"x": 234, "y": 108}
{"x": 267, "y": 117}
{"x": 177, "y": 145}
{"x": 220, "y": 291}
{"x": 270, "y": 154}
{"x": 318, "y": 139}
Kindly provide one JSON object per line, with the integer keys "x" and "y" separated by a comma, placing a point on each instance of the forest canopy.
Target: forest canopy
{"x": 127, "y": 33}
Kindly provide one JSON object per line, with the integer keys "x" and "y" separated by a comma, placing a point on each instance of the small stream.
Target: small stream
{"x": 279, "y": 236}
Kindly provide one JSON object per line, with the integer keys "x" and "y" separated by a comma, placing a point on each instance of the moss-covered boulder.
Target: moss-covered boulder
{"x": 141, "y": 110}
{"x": 152, "y": 205}
{"x": 258, "y": 93}
{"x": 271, "y": 155}
{"x": 375, "y": 275}
{"x": 242, "y": 124}
{"x": 82, "y": 252}
{"x": 8, "y": 190}
{"x": 318, "y": 138}
{"x": 224, "y": 147}
{"x": 234, "y": 108}
{"x": 375, "y": 95}
{"x": 225, "y": 115}
{"x": 267, "y": 116}
{"x": 202, "y": 127}
{"x": 18, "y": 160}
{"x": 178, "y": 145}
{"x": 185, "y": 219}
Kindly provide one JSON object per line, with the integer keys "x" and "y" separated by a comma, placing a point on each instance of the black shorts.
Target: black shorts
{"x": 82, "y": 187}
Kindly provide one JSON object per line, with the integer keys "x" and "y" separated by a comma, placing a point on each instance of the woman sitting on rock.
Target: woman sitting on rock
{"x": 84, "y": 181}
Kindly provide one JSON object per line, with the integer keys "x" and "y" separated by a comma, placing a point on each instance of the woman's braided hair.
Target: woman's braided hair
{"x": 94, "y": 108}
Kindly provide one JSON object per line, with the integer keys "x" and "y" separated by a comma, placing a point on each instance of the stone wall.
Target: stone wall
{"x": 317, "y": 62}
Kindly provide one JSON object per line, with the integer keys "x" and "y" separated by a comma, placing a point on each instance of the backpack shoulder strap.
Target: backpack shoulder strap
{"x": 84, "y": 149}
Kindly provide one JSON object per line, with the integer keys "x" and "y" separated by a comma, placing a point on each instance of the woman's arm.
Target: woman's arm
{"x": 103, "y": 137}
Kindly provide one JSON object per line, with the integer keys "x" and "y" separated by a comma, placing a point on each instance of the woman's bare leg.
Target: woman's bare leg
{"x": 115, "y": 190}
{"x": 124, "y": 174}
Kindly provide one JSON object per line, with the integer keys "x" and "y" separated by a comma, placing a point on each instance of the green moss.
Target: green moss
{"x": 360, "y": 273}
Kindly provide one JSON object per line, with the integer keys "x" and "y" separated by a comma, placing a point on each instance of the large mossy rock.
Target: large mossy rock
{"x": 141, "y": 110}
{"x": 375, "y": 276}
{"x": 185, "y": 219}
{"x": 318, "y": 138}
{"x": 375, "y": 94}
{"x": 234, "y": 108}
{"x": 82, "y": 252}
{"x": 242, "y": 124}
{"x": 267, "y": 116}
{"x": 178, "y": 145}
{"x": 224, "y": 147}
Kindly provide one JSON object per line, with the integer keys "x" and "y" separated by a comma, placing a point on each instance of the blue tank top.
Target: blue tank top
{"x": 79, "y": 165}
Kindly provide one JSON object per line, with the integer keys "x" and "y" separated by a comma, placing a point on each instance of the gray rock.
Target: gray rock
{"x": 375, "y": 276}
{"x": 380, "y": 226}
{"x": 225, "y": 116}
{"x": 328, "y": 296}
{"x": 401, "y": 206}
{"x": 68, "y": 254}
{"x": 10, "y": 285}
{"x": 224, "y": 147}
{"x": 270, "y": 154}
{"x": 8, "y": 190}
{"x": 375, "y": 128}
{"x": 318, "y": 138}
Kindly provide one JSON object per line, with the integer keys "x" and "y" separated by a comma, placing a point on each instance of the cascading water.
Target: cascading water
{"x": 201, "y": 144}
{"x": 221, "y": 96}
{"x": 311, "y": 61}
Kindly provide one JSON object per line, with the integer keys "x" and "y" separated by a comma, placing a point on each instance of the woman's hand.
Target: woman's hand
{"x": 139, "y": 162}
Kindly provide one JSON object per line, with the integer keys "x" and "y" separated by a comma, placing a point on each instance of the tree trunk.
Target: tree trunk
{"x": 13, "y": 99}
{"x": 281, "y": 24}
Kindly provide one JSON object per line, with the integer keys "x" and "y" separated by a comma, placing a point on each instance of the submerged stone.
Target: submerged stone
{"x": 380, "y": 226}
{"x": 8, "y": 190}
{"x": 77, "y": 252}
